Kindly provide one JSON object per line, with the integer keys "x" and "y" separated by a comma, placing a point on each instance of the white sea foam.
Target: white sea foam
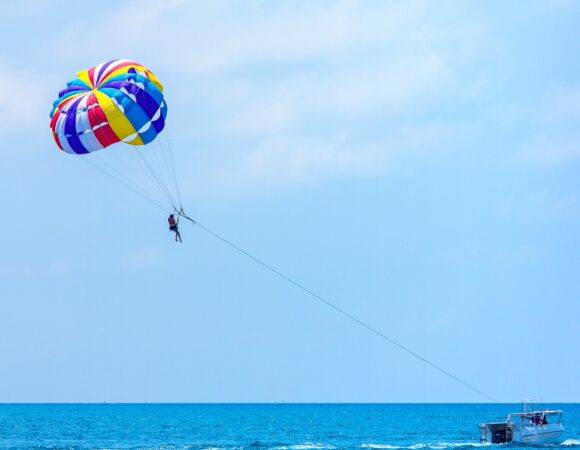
{"x": 431, "y": 445}
{"x": 571, "y": 442}
{"x": 305, "y": 446}
{"x": 380, "y": 446}
{"x": 442, "y": 445}
{"x": 310, "y": 446}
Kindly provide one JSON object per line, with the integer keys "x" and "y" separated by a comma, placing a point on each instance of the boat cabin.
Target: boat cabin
{"x": 495, "y": 432}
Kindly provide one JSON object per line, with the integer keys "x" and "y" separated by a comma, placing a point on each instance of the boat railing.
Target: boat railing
{"x": 537, "y": 418}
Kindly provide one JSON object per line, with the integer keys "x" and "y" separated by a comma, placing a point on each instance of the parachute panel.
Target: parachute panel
{"x": 117, "y": 100}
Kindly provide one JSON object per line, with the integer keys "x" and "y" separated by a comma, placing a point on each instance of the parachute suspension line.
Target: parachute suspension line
{"x": 147, "y": 163}
{"x": 163, "y": 162}
{"x": 123, "y": 183}
{"x": 152, "y": 182}
{"x": 154, "y": 177}
{"x": 170, "y": 173}
{"x": 338, "y": 309}
{"x": 160, "y": 162}
{"x": 157, "y": 160}
{"x": 149, "y": 180}
{"x": 150, "y": 161}
{"x": 153, "y": 158}
{"x": 101, "y": 159}
{"x": 172, "y": 165}
{"x": 99, "y": 162}
{"x": 123, "y": 166}
{"x": 134, "y": 170}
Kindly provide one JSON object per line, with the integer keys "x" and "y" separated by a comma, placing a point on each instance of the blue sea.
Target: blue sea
{"x": 258, "y": 426}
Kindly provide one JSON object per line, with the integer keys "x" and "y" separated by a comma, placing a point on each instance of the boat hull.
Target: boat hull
{"x": 529, "y": 434}
{"x": 540, "y": 435}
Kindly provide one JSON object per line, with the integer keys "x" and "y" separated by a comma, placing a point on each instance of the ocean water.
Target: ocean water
{"x": 257, "y": 426}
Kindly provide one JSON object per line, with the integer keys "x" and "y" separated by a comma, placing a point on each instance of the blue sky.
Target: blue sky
{"x": 414, "y": 162}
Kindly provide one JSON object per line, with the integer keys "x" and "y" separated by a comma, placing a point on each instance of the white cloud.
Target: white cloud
{"x": 209, "y": 38}
{"x": 287, "y": 82}
{"x": 390, "y": 87}
{"x": 131, "y": 31}
{"x": 286, "y": 161}
{"x": 23, "y": 100}
{"x": 225, "y": 35}
{"x": 212, "y": 37}
{"x": 282, "y": 161}
{"x": 562, "y": 104}
{"x": 61, "y": 265}
{"x": 550, "y": 148}
{"x": 142, "y": 260}
{"x": 539, "y": 206}
{"x": 556, "y": 137}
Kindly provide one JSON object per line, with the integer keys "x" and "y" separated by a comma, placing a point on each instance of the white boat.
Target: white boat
{"x": 533, "y": 427}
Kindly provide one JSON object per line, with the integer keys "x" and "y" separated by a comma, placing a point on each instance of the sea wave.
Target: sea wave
{"x": 568, "y": 444}
{"x": 388, "y": 446}
{"x": 431, "y": 445}
{"x": 304, "y": 446}
{"x": 380, "y": 446}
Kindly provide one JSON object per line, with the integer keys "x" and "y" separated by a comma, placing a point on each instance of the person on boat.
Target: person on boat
{"x": 174, "y": 226}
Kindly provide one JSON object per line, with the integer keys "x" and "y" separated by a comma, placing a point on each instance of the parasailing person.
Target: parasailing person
{"x": 174, "y": 226}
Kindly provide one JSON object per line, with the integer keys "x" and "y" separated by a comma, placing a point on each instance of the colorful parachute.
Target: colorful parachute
{"x": 118, "y": 100}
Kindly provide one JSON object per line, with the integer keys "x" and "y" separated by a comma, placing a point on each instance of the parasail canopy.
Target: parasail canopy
{"x": 118, "y": 100}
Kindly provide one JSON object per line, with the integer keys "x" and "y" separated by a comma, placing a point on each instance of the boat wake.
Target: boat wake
{"x": 567, "y": 444}
{"x": 433, "y": 446}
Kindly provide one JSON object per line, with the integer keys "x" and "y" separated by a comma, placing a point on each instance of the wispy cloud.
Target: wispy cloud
{"x": 142, "y": 260}
{"x": 556, "y": 137}
{"x": 294, "y": 81}
{"x": 539, "y": 206}
{"x": 23, "y": 100}
{"x": 61, "y": 265}
{"x": 350, "y": 93}
{"x": 285, "y": 161}
{"x": 550, "y": 148}
{"x": 562, "y": 104}
{"x": 132, "y": 30}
